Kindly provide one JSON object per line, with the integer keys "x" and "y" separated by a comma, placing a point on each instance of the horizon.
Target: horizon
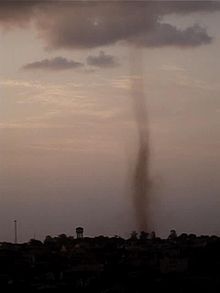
{"x": 124, "y": 236}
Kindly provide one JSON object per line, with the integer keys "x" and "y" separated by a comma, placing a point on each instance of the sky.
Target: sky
{"x": 68, "y": 137}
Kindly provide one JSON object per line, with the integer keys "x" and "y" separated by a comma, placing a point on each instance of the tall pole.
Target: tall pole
{"x": 16, "y": 236}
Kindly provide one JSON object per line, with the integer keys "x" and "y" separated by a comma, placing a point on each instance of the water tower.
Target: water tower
{"x": 79, "y": 232}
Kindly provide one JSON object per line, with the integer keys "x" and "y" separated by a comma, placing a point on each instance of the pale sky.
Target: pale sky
{"x": 67, "y": 129}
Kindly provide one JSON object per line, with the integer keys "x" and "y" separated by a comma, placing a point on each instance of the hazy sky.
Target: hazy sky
{"x": 67, "y": 129}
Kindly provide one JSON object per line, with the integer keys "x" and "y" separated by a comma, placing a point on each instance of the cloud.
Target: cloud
{"x": 165, "y": 34}
{"x": 16, "y": 13}
{"x": 54, "y": 64}
{"x": 90, "y": 24}
{"x": 102, "y": 60}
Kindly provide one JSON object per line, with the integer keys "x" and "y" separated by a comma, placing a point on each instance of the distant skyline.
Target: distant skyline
{"x": 68, "y": 137}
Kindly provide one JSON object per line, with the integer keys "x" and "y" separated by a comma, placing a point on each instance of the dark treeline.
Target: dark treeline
{"x": 142, "y": 263}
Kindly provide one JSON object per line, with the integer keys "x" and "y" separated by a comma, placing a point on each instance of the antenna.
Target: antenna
{"x": 16, "y": 235}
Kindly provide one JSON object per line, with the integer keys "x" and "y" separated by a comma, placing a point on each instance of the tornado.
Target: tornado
{"x": 141, "y": 180}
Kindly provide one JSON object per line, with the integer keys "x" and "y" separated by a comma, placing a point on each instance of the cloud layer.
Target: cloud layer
{"x": 167, "y": 35}
{"x": 93, "y": 24}
{"x": 102, "y": 60}
{"x": 57, "y": 63}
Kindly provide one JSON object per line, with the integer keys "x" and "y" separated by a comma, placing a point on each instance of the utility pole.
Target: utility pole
{"x": 16, "y": 235}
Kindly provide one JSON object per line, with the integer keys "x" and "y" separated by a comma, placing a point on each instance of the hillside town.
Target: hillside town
{"x": 143, "y": 262}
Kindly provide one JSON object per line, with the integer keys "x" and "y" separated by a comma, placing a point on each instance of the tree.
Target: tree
{"x": 173, "y": 235}
{"x": 144, "y": 235}
{"x": 133, "y": 235}
{"x": 34, "y": 242}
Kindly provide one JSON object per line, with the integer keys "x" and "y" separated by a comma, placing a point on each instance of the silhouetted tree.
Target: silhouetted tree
{"x": 173, "y": 235}
{"x": 133, "y": 235}
{"x": 36, "y": 243}
{"x": 152, "y": 235}
{"x": 143, "y": 235}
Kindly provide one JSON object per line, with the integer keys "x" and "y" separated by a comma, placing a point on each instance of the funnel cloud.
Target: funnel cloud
{"x": 141, "y": 177}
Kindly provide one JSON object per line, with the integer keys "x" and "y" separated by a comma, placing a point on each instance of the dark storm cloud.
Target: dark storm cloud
{"x": 102, "y": 60}
{"x": 81, "y": 24}
{"x": 168, "y": 35}
{"x": 58, "y": 63}
{"x": 16, "y": 13}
